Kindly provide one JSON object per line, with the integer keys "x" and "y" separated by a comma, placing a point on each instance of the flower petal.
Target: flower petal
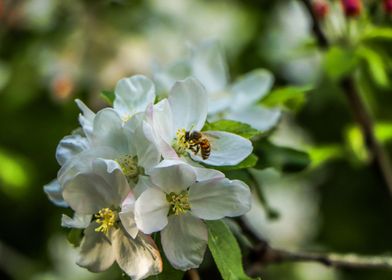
{"x": 96, "y": 253}
{"x": 188, "y": 102}
{"x": 258, "y": 117}
{"x": 86, "y": 118}
{"x": 78, "y": 221}
{"x": 173, "y": 176}
{"x": 251, "y": 88}
{"x": 218, "y": 198}
{"x": 166, "y": 77}
{"x": 127, "y": 215}
{"x": 55, "y": 193}
{"x": 226, "y": 148}
{"x": 70, "y": 146}
{"x": 108, "y": 131}
{"x": 87, "y": 193}
{"x": 209, "y": 66}
{"x": 133, "y": 95}
{"x": 151, "y": 210}
{"x": 184, "y": 241}
{"x": 139, "y": 258}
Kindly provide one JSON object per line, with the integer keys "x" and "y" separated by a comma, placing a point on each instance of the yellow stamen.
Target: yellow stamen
{"x": 129, "y": 166}
{"x": 180, "y": 144}
{"x": 106, "y": 218}
{"x": 179, "y": 203}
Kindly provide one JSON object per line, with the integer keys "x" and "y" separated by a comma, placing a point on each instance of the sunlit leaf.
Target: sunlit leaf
{"x": 376, "y": 64}
{"x": 108, "y": 96}
{"x": 291, "y": 97}
{"x": 225, "y": 251}
{"x": 340, "y": 62}
{"x": 241, "y": 129}
{"x": 14, "y": 174}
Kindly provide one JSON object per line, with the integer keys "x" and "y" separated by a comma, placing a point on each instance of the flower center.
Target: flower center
{"x": 181, "y": 145}
{"x": 179, "y": 203}
{"x": 106, "y": 218}
{"x": 129, "y": 166}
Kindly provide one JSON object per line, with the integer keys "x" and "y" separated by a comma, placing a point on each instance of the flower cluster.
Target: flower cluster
{"x": 142, "y": 167}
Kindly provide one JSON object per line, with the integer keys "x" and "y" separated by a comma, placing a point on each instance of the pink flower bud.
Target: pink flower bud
{"x": 388, "y": 6}
{"x": 320, "y": 8}
{"x": 352, "y": 8}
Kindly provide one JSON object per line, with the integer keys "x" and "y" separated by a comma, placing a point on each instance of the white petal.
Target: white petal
{"x": 96, "y": 253}
{"x": 133, "y": 95}
{"x": 218, "y": 101}
{"x": 173, "y": 176}
{"x": 218, "y": 198}
{"x": 258, "y": 117}
{"x": 146, "y": 151}
{"x": 78, "y": 221}
{"x": 70, "y": 146}
{"x": 151, "y": 210}
{"x": 226, "y": 148}
{"x": 184, "y": 241}
{"x": 108, "y": 131}
{"x": 203, "y": 174}
{"x": 55, "y": 193}
{"x": 163, "y": 131}
{"x": 165, "y": 78}
{"x": 209, "y": 66}
{"x": 139, "y": 258}
{"x": 143, "y": 183}
{"x": 87, "y": 193}
{"x": 86, "y": 118}
{"x": 82, "y": 162}
{"x": 189, "y": 105}
{"x": 127, "y": 215}
{"x": 251, "y": 88}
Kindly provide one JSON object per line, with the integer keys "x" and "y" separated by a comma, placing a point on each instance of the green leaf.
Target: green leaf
{"x": 376, "y": 64}
{"x": 108, "y": 96}
{"x": 377, "y": 33}
{"x": 249, "y": 162}
{"x": 75, "y": 236}
{"x": 241, "y": 129}
{"x": 340, "y": 62}
{"x": 168, "y": 272}
{"x": 282, "y": 158}
{"x": 225, "y": 251}
{"x": 291, "y": 97}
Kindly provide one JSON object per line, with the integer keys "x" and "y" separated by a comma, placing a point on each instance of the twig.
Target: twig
{"x": 272, "y": 255}
{"x": 362, "y": 116}
{"x": 263, "y": 254}
{"x": 193, "y": 274}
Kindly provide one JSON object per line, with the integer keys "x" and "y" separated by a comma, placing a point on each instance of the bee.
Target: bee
{"x": 198, "y": 142}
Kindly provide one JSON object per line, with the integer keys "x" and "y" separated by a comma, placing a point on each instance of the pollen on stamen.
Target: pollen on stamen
{"x": 180, "y": 144}
{"x": 179, "y": 203}
{"x": 129, "y": 166}
{"x": 106, "y": 218}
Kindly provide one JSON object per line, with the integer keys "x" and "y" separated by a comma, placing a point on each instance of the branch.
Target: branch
{"x": 362, "y": 116}
{"x": 272, "y": 255}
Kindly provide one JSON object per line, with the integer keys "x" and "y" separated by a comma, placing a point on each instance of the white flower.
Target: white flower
{"x": 176, "y": 202}
{"x": 172, "y": 122}
{"x": 133, "y": 95}
{"x": 112, "y": 235}
{"x": 235, "y": 102}
{"x": 112, "y": 138}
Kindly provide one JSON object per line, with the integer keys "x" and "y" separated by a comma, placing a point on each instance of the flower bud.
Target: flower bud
{"x": 352, "y": 8}
{"x": 320, "y": 8}
{"x": 388, "y": 6}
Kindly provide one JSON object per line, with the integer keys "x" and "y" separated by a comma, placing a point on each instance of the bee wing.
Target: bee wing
{"x": 210, "y": 135}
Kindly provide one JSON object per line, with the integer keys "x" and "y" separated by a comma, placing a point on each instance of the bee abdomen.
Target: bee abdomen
{"x": 205, "y": 148}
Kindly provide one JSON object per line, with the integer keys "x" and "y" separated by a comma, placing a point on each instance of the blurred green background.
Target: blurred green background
{"x": 54, "y": 51}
